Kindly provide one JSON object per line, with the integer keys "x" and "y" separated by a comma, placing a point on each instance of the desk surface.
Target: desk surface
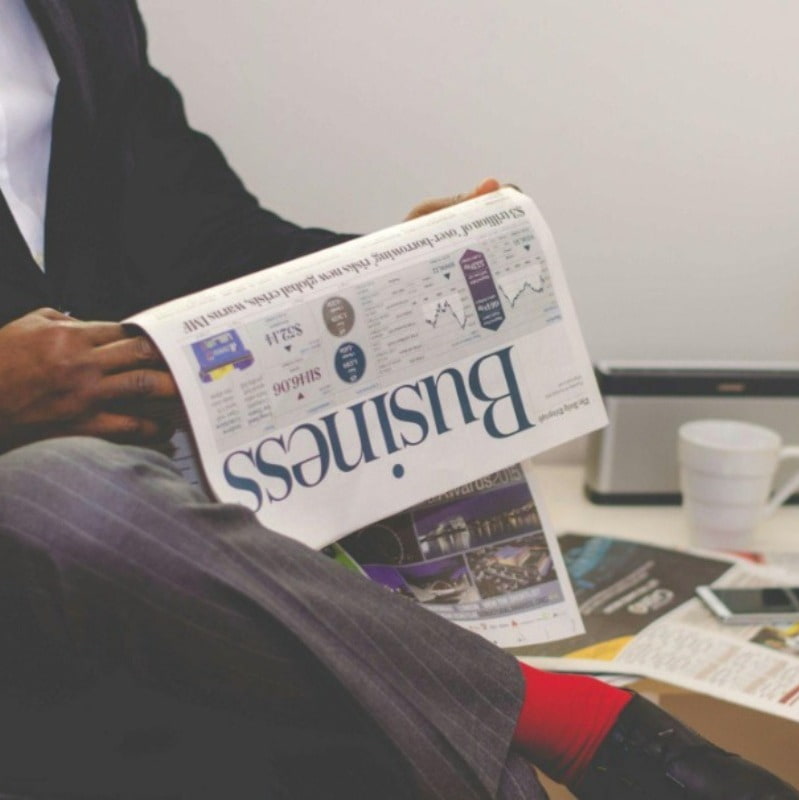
{"x": 560, "y": 488}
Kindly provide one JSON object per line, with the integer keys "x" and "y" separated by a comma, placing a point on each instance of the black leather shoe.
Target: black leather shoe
{"x": 649, "y": 754}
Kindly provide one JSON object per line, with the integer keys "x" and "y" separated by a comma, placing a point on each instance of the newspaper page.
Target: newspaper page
{"x": 351, "y": 384}
{"x": 641, "y": 618}
{"x": 482, "y": 555}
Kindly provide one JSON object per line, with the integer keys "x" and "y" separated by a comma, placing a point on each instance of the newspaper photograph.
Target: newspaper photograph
{"x": 642, "y": 618}
{"x": 348, "y": 385}
{"x": 482, "y": 555}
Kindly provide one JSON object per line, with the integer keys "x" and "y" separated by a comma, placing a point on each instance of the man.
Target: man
{"x": 154, "y": 643}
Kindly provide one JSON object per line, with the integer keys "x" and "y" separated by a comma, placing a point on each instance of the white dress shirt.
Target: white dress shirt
{"x": 28, "y": 82}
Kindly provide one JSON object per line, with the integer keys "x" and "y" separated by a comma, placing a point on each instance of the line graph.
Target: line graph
{"x": 514, "y": 288}
{"x": 450, "y": 306}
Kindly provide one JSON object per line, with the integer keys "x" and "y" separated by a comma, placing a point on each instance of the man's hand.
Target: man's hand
{"x": 61, "y": 377}
{"x": 428, "y": 206}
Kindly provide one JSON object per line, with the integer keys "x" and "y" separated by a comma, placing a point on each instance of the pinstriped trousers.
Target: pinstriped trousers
{"x": 154, "y": 643}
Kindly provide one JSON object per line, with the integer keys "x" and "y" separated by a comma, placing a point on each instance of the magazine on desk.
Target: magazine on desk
{"x": 641, "y": 618}
{"x": 353, "y": 383}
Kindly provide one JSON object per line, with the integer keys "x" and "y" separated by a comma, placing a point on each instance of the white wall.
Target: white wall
{"x": 659, "y": 137}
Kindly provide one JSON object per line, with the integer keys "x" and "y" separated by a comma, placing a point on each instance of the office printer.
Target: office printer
{"x": 634, "y": 459}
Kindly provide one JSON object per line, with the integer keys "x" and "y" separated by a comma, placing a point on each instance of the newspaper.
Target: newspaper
{"x": 642, "y": 618}
{"x": 348, "y": 385}
{"x": 482, "y": 555}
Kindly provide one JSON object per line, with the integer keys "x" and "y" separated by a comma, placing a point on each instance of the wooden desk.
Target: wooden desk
{"x": 766, "y": 740}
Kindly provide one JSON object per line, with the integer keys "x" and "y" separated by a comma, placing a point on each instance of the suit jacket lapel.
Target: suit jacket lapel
{"x": 63, "y": 37}
{"x": 72, "y": 145}
{"x": 63, "y": 40}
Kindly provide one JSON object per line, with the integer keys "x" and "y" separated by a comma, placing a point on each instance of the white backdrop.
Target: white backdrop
{"x": 659, "y": 137}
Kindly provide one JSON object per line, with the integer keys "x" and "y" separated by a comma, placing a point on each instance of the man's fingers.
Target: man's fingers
{"x": 484, "y": 187}
{"x": 437, "y": 203}
{"x": 50, "y": 313}
{"x": 123, "y": 428}
{"x": 137, "y": 383}
{"x": 100, "y": 333}
{"x": 128, "y": 353}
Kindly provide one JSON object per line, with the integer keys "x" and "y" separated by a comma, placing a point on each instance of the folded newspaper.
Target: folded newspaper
{"x": 349, "y": 385}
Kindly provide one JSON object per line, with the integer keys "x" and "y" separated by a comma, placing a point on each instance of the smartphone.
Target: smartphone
{"x": 752, "y": 606}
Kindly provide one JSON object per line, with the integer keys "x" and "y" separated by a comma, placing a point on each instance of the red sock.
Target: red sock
{"x": 564, "y": 719}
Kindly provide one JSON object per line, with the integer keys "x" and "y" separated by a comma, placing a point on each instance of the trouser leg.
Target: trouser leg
{"x": 111, "y": 565}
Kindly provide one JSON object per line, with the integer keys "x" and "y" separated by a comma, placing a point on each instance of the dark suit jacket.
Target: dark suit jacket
{"x": 140, "y": 208}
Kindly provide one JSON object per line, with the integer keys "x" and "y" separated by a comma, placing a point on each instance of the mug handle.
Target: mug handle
{"x": 789, "y": 487}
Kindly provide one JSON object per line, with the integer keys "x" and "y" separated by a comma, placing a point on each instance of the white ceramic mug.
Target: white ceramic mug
{"x": 727, "y": 473}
